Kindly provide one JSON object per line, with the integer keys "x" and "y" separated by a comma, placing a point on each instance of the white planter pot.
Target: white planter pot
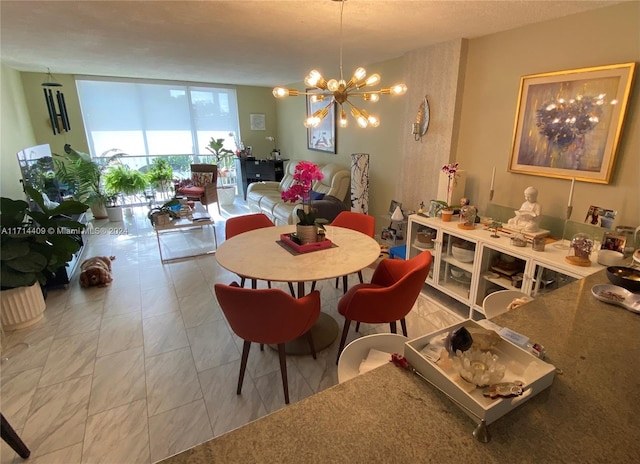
{"x": 99, "y": 211}
{"x": 114, "y": 213}
{"x": 226, "y": 195}
{"x": 21, "y": 307}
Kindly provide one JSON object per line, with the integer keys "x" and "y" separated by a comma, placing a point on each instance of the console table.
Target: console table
{"x": 256, "y": 170}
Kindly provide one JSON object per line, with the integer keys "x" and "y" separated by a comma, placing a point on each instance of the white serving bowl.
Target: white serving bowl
{"x": 610, "y": 258}
{"x": 462, "y": 255}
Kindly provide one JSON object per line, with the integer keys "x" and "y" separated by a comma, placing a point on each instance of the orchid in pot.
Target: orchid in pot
{"x": 303, "y": 177}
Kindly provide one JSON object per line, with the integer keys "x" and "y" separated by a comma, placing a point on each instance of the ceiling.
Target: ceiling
{"x": 260, "y": 42}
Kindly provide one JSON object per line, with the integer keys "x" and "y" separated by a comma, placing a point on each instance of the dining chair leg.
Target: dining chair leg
{"x": 254, "y": 284}
{"x": 243, "y": 364}
{"x": 313, "y": 285}
{"x": 283, "y": 371}
{"x": 337, "y": 281}
{"x": 360, "y": 277}
{"x": 394, "y": 327}
{"x": 242, "y": 281}
{"x": 343, "y": 340}
{"x": 261, "y": 346}
{"x": 344, "y": 283}
{"x": 312, "y": 346}
{"x": 403, "y": 324}
{"x": 268, "y": 283}
{"x": 357, "y": 326}
{"x": 293, "y": 292}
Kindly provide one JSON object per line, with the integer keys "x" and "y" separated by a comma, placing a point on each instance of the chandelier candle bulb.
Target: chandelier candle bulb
{"x": 493, "y": 178}
{"x": 573, "y": 182}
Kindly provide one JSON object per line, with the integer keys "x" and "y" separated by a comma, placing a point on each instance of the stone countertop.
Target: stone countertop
{"x": 591, "y": 413}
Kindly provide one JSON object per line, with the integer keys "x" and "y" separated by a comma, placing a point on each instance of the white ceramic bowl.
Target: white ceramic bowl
{"x": 462, "y": 255}
{"x": 458, "y": 273}
{"x": 610, "y": 258}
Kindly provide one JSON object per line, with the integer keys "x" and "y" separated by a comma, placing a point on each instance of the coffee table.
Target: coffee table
{"x": 198, "y": 219}
{"x": 258, "y": 255}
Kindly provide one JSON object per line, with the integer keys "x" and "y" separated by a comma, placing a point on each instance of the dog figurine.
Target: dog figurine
{"x": 96, "y": 271}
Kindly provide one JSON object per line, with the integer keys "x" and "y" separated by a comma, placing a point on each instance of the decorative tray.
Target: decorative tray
{"x": 535, "y": 374}
{"x": 309, "y": 247}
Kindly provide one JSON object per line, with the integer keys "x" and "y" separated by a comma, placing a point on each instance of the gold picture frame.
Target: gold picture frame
{"x": 568, "y": 123}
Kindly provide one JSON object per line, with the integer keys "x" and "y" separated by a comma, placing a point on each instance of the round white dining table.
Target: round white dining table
{"x": 259, "y": 254}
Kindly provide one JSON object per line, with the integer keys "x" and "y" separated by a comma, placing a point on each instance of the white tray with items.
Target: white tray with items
{"x": 519, "y": 364}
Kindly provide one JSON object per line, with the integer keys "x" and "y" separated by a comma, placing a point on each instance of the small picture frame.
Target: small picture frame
{"x": 388, "y": 234}
{"x": 598, "y": 216}
{"x": 394, "y": 204}
{"x": 614, "y": 242}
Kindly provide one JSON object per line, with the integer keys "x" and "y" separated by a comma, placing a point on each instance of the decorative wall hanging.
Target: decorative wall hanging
{"x": 568, "y": 123}
{"x": 323, "y": 136}
{"x": 360, "y": 183}
{"x": 59, "y": 118}
{"x": 257, "y": 122}
{"x": 419, "y": 128}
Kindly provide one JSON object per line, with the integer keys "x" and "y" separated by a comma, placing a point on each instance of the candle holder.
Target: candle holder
{"x": 562, "y": 245}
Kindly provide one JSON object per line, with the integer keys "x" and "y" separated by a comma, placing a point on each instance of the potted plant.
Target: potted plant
{"x": 224, "y": 159}
{"x": 303, "y": 177}
{"x": 160, "y": 174}
{"x": 84, "y": 175}
{"x": 125, "y": 181}
{"x": 33, "y": 246}
{"x": 164, "y": 214}
{"x": 114, "y": 210}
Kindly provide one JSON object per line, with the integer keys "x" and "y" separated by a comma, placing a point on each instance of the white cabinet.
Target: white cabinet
{"x": 468, "y": 265}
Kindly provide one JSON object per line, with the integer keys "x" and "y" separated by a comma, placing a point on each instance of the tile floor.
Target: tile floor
{"x": 147, "y": 367}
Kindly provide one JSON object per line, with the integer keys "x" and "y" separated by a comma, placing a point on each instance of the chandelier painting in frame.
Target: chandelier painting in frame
{"x": 322, "y": 137}
{"x": 568, "y": 123}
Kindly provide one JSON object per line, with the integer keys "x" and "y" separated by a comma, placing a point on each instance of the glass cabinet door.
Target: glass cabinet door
{"x": 545, "y": 279}
{"x": 456, "y": 266}
{"x": 422, "y": 238}
{"x": 499, "y": 271}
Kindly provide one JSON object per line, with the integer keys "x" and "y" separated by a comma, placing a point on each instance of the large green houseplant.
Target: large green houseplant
{"x": 84, "y": 175}
{"x": 160, "y": 174}
{"x": 223, "y": 158}
{"x": 35, "y": 244}
{"x": 123, "y": 180}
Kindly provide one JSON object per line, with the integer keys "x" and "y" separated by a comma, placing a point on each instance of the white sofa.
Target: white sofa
{"x": 264, "y": 197}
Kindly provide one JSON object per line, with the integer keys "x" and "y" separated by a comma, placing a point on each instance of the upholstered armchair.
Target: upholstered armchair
{"x": 202, "y": 186}
{"x": 394, "y": 288}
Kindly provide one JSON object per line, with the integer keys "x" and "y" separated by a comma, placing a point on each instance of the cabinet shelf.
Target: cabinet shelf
{"x": 548, "y": 267}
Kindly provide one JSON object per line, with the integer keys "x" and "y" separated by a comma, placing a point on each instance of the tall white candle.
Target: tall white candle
{"x": 573, "y": 182}
{"x": 493, "y": 177}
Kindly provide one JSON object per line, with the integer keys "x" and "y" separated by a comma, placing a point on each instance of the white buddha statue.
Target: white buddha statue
{"x": 527, "y": 217}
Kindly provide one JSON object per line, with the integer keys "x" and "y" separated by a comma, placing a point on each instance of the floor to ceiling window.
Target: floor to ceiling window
{"x": 144, "y": 119}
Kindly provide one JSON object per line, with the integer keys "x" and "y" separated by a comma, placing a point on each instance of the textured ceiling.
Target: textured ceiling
{"x": 244, "y": 42}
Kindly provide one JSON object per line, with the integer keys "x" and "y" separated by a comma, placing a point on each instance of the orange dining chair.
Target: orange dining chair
{"x": 394, "y": 288}
{"x": 240, "y": 224}
{"x": 268, "y": 316}
{"x": 355, "y": 221}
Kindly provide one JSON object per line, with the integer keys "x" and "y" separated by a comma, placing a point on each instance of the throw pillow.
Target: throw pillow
{"x": 201, "y": 178}
{"x": 316, "y": 195}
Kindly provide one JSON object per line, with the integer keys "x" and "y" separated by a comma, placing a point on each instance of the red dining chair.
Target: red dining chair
{"x": 355, "y": 221}
{"x": 268, "y": 316}
{"x": 240, "y": 224}
{"x": 394, "y": 288}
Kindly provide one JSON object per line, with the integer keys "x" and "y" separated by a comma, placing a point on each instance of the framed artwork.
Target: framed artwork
{"x": 615, "y": 242}
{"x": 323, "y": 137}
{"x": 603, "y": 217}
{"x": 257, "y": 122}
{"x": 568, "y": 123}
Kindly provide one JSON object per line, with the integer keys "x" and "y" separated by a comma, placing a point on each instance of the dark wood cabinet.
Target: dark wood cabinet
{"x": 255, "y": 170}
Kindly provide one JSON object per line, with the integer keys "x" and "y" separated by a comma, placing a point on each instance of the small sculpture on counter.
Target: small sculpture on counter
{"x": 527, "y": 217}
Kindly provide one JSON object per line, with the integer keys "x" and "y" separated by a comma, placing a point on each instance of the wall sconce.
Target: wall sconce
{"x": 54, "y": 115}
{"x": 419, "y": 128}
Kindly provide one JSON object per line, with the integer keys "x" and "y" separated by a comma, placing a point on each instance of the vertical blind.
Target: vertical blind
{"x": 142, "y": 118}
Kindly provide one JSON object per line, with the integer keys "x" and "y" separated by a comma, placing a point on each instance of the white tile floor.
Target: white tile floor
{"x": 147, "y": 367}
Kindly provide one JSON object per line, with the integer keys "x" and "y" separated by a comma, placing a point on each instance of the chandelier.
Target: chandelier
{"x": 338, "y": 92}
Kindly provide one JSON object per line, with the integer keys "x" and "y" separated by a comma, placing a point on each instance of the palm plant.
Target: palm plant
{"x": 83, "y": 174}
